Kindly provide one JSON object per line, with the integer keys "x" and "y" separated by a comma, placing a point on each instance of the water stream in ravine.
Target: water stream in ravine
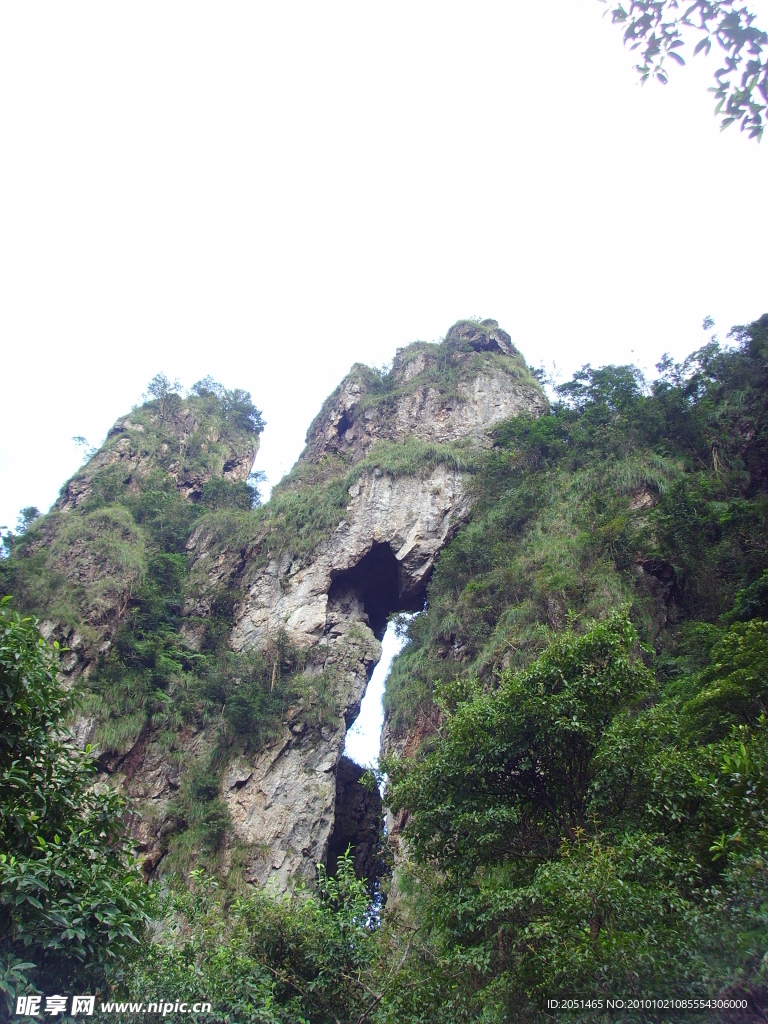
{"x": 364, "y": 738}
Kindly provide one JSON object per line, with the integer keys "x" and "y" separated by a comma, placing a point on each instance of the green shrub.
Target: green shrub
{"x": 263, "y": 958}
{"x": 72, "y": 903}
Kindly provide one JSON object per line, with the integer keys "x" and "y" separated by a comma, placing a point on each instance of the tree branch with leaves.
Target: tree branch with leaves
{"x": 661, "y": 30}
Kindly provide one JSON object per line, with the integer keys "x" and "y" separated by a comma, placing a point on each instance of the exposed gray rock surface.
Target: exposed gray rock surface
{"x": 434, "y": 393}
{"x": 413, "y": 516}
{"x": 284, "y": 808}
{"x": 330, "y": 597}
{"x": 101, "y": 577}
{"x": 334, "y": 603}
{"x": 484, "y": 337}
{"x": 126, "y": 449}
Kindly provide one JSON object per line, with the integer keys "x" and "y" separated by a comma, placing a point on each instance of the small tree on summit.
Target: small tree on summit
{"x": 237, "y": 405}
{"x": 164, "y": 392}
{"x": 27, "y": 516}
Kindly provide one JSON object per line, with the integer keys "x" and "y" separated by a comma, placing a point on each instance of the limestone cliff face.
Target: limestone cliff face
{"x": 437, "y": 393}
{"x": 377, "y": 560}
{"x": 134, "y": 450}
{"x": 335, "y": 604}
{"x": 410, "y": 516}
{"x": 149, "y": 560}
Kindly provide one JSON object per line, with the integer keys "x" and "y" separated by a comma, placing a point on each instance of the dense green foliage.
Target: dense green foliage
{"x": 652, "y": 497}
{"x": 122, "y": 566}
{"x": 159, "y": 471}
{"x": 310, "y": 957}
{"x": 263, "y": 958}
{"x": 587, "y": 814}
{"x": 585, "y": 841}
{"x": 109, "y": 566}
{"x": 71, "y": 901}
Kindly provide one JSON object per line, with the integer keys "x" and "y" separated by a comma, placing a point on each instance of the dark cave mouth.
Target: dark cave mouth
{"x": 377, "y": 581}
{"x": 358, "y": 824}
{"x": 344, "y": 424}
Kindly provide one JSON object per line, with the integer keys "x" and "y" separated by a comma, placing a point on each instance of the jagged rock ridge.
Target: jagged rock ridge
{"x": 433, "y": 393}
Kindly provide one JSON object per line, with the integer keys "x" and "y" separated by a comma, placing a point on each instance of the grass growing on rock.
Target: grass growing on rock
{"x": 624, "y": 495}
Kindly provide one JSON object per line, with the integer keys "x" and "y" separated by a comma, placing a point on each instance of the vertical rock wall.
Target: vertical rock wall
{"x": 376, "y": 561}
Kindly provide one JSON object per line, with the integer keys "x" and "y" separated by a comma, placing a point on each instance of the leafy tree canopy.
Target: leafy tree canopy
{"x": 72, "y": 904}
{"x": 26, "y": 517}
{"x": 571, "y": 832}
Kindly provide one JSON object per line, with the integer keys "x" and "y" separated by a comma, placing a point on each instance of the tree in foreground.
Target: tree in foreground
{"x": 72, "y": 902}
{"x": 577, "y": 831}
{"x": 660, "y": 30}
{"x": 316, "y": 955}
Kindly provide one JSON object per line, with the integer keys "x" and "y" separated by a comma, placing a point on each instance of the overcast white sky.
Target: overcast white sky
{"x": 268, "y": 193}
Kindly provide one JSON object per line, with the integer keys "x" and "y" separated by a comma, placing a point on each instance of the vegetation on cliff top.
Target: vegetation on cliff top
{"x": 120, "y": 569}
{"x": 311, "y": 501}
{"x": 108, "y": 571}
{"x": 442, "y": 370}
{"x": 626, "y": 494}
{"x": 159, "y": 470}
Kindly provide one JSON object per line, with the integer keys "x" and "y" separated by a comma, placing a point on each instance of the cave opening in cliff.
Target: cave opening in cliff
{"x": 377, "y": 582}
{"x": 344, "y": 424}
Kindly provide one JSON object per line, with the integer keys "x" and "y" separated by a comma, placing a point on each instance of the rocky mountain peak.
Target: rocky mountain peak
{"x": 439, "y": 393}
{"x": 395, "y": 450}
{"x": 82, "y": 565}
{"x": 485, "y": 336}
{"x": 189, "y": 441}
